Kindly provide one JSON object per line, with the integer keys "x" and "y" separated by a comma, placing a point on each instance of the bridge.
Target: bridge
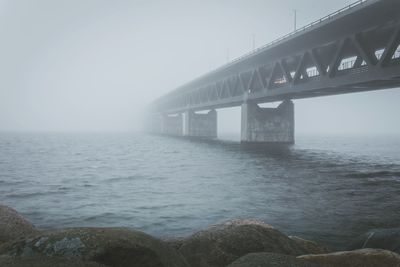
{"x": 355, "y": 49}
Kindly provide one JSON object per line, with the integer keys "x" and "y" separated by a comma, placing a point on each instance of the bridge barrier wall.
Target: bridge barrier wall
{"x": 201, "y": 125}
{"x": 268, "y": 125}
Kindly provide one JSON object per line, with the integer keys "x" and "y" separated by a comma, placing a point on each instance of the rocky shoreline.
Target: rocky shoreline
{"x": 237, "y": 243}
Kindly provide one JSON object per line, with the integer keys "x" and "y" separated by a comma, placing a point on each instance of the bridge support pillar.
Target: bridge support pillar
{"x": 172, "y": 125}
{"x": 268, "y": 125}
{"x": 154, "y": 123}
{"x": 201, "y": 125}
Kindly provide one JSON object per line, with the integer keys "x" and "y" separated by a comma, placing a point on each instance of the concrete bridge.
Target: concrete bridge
{"x": 352, "y": 50}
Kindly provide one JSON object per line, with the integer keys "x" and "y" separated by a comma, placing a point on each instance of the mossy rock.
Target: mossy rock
{"x": 264, "y": 259}
{"x": 7, "y": 261}
{"x": 222, "y": 244}
{"x": 14, "y": 226}
{"x": 310, "y": 246}
{"x": 355, "y": 258}
{"x": 108, "y": 246}
{"x": 388, "y": 239}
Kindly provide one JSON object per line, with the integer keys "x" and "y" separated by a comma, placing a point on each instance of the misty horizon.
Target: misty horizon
{"x": 94, "y": 66}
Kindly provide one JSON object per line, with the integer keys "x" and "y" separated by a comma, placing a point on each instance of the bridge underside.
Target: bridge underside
{"x": 353, "y": 51}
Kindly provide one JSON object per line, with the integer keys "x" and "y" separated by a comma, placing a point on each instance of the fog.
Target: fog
{"x": 94, "y": 65}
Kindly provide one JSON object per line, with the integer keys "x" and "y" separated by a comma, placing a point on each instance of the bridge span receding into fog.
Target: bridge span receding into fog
{"x": 355, "y": 49}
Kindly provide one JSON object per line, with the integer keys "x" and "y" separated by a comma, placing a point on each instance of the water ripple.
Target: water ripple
{"x": 319, "y": 189}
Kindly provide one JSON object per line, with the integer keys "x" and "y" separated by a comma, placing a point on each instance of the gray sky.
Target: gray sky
{"x": 93, "y": 65}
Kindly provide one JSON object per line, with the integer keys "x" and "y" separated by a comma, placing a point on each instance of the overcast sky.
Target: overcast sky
{"x": 93, "y": 65}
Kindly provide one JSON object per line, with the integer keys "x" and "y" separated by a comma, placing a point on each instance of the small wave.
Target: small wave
{"x": 34, "y": 214}
{"x": 122, "y": 179}
{"x": 160, "y": 207}
{"x": 177, "y": 218}
{"x": 86, "y": 206}
{"x": 3, "y": 182}
{"x": 63, "y": 188}
{"x": 171, "y": 152}
{"x": 108, "y": 217}
{"x": 99, "y": 216}
{"x": 119, "y": 179}
{"x": 378, "y": 174}
{"x": 25, "y": 195}
{"x": 31, "y": 194}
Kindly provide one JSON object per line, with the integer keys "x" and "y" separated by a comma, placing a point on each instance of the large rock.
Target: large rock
{"x": 175, "y": 243}
{"x": 108, "y": 246}
{"x": 221, "y": 244}
{"x": 356, "y": 258}
{"x": 13, "y": 225}
{"x": 388, "y": 239}
{"x": 310, "y": 246}
{"x": 6, "y": 261}
{"x": 264, "y": 259}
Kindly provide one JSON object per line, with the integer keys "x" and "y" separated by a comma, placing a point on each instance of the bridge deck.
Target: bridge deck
{"x": 355, "y": 49}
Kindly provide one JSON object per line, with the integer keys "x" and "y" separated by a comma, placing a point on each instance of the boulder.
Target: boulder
{"x": 355, "y": 258}
{"x": 45, "y": 262}
{"x": 388, "y": 239}
{"x": 222, "y": 244}
{"x": 264, "y": 259}
{"x": 310, "y": 246}
{"x": 175, "y": 243}
{"x": 13, "y": 225}
{"x": 108, "y": 246}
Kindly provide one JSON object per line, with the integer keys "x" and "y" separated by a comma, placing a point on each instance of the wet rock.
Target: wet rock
{"x": 175, "y": 243}
{"x": 13, "y": 225}
{"x": 355, "y": 258}
{"x": 388, "y": 239}
{"x": 222, "y": 244}
{"x": 44, "y": 262}
{"x": 108, "y": 246}
{"x": 310, "y": 246}
{"x": 270, "y": 260}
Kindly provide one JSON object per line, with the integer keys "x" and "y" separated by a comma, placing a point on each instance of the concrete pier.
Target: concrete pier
{"x": 200, "y": 125}
{"x": 268, "y": 125}
{"x": 172, "y": 125}
{"x": 153, "y": 123}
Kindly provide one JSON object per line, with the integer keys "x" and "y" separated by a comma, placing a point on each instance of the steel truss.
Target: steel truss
{"x": 361, "y": 61}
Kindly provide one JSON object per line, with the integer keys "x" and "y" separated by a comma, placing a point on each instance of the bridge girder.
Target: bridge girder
{"x": 361, "y": 60}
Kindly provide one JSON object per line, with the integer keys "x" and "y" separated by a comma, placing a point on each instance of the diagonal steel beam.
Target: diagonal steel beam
{"x": 363, "y": 51}
{"x": 263, "y": 79}
{"x": 271, "y": 79}
{"x": 245, "y": 87}
{"x": 284, "y": 68}
{"x": 320, "y": 67}
{"x": 390, "y": 48}
{"x": 337, "y": 58}
{"x": 299, "y": 69}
